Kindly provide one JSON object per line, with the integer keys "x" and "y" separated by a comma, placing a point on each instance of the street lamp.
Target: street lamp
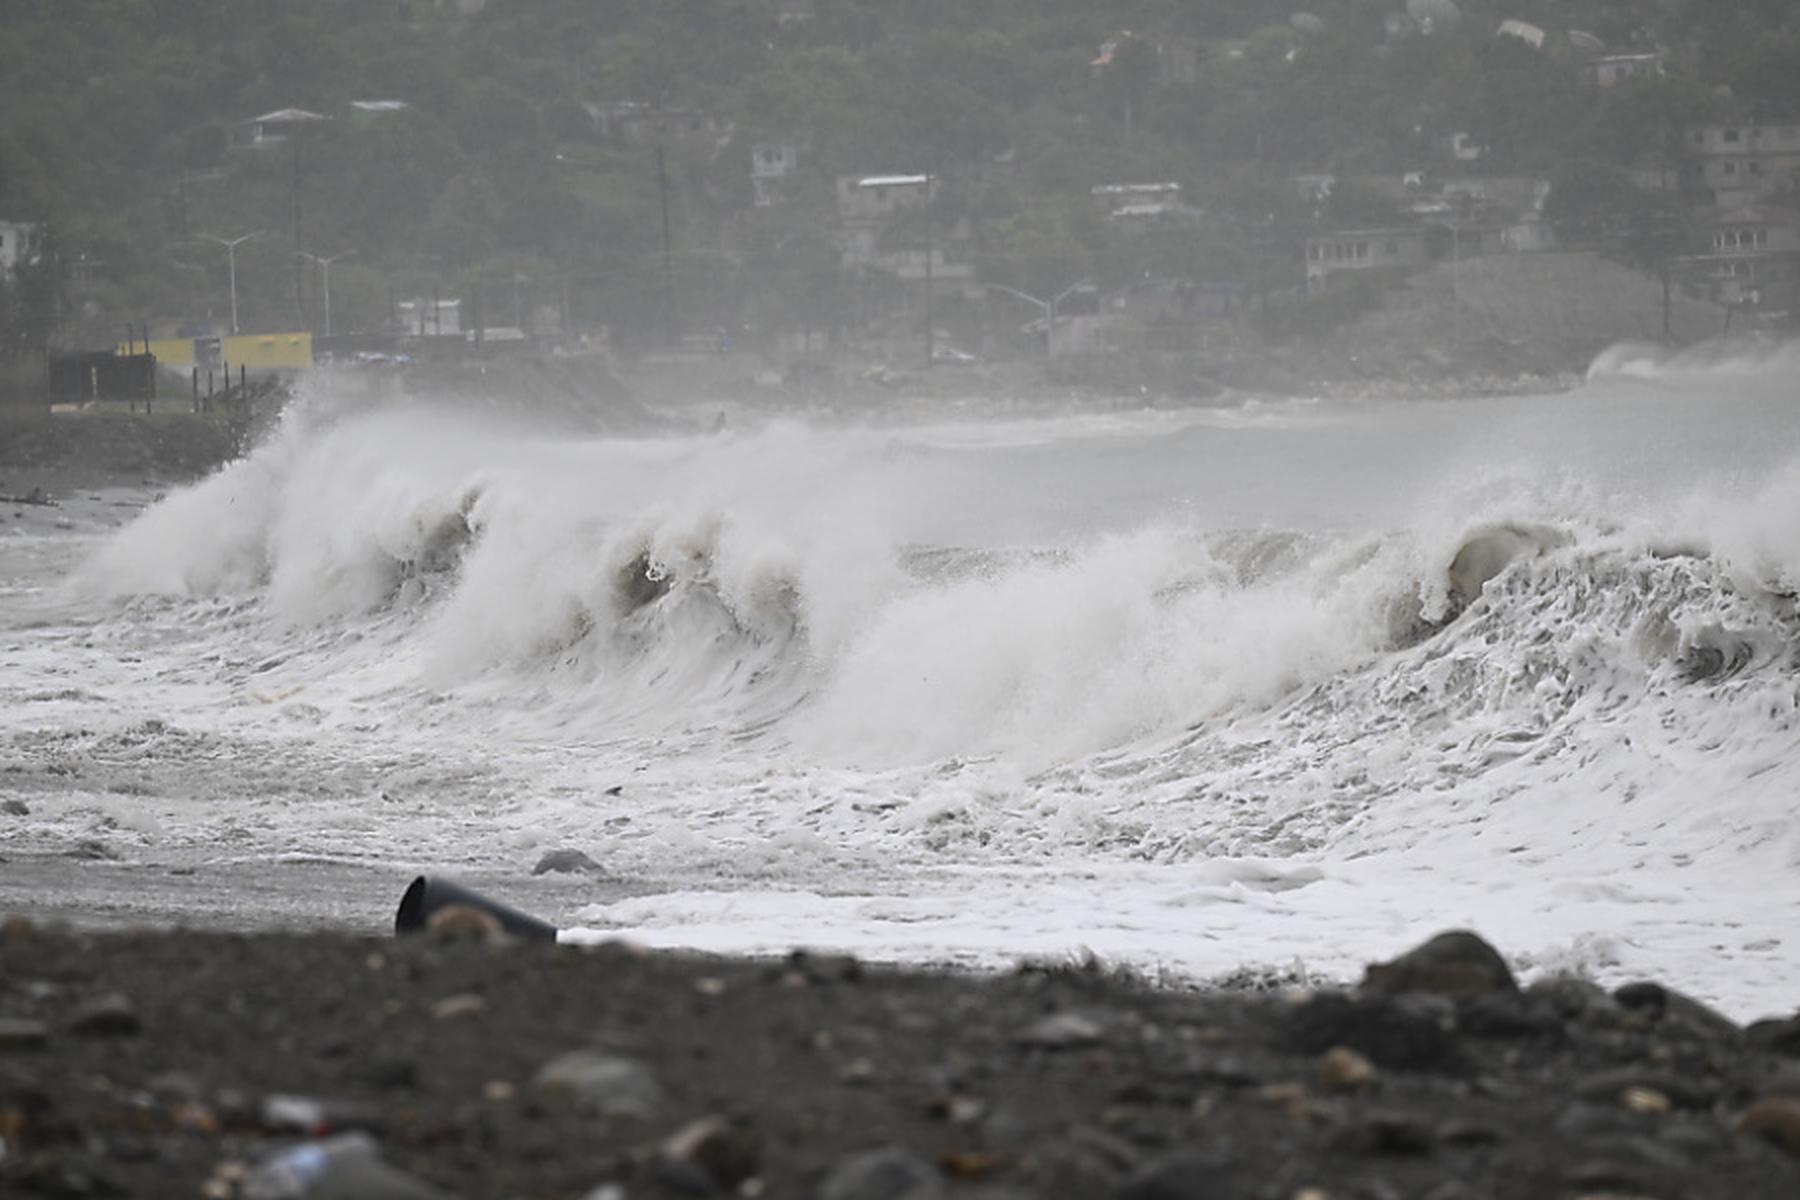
{"x": 1049, "y": 306}
{"x": 231, "y": 245}
{"x": 325, "y": 278}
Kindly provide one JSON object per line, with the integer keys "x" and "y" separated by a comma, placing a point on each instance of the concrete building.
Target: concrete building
{"x": 1742, "y": 162}
{"x": 1747, "y": 257}
{"x": 19, "y": 243}
{"x": 1609, "y": 70}
{"x": 870, "y": 207}
{"x": 770, "y": 165}
{"x": 1396, "y": 249}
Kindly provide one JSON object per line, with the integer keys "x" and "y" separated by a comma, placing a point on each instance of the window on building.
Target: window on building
{"x": 1732, "y": 135}
{"x": 1729, "y": 168}
{"x": 1393, "y": 247}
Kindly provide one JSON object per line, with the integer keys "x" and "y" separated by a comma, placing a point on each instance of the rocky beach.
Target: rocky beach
{"x": 463, "y": 1063}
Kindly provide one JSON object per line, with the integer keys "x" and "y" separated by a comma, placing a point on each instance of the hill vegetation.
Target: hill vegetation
{"x": 504, "y": 179}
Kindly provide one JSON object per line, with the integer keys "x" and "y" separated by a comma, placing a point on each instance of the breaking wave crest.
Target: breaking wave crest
{"x": 662, "y": 587}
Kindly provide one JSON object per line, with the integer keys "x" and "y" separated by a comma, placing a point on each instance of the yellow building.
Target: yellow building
{"x": 257, "y": 351}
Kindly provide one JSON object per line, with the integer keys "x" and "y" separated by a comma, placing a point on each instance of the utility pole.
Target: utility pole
{"x": 325, "y": 279}
{"x": 930, "y": 326}
{"x": 231, "y": 245}
{"x": 668, "y": 271}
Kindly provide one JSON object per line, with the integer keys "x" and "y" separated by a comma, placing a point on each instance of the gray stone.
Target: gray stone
{"x": 708, "y": 1155}
{"x": 1780, "y": 1035}
{"x": 106, "y": 1016}
{"x": 600, "y": 1083}
{"x": 1607, "y": 1087}
{"x": 1670, "y": 1007}
{"x": 22, "y": 1034}
{"x": 1776, "y": 1119}
{"x": 15, "y": 808}
{"x": 1575, "y": 997}
{"x": 1062, "y": 1031}
{"x": 890, "y": 1173}
{"x": 1457, "y": 964}
{"x": 566, "y": 861}
{"x": 346, "y": 1167}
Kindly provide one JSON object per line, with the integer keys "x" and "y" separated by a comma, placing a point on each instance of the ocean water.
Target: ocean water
{"x": 1285, "y": 685}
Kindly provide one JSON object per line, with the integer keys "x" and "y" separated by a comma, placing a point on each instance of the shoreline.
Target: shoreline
{"x": 457, "y": 1063}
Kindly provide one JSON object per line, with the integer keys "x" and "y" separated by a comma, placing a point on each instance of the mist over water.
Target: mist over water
{"x": 1291, "y": 681}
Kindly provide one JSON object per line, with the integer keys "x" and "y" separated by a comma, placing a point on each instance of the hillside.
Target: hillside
{"x": 1508, "y": 315}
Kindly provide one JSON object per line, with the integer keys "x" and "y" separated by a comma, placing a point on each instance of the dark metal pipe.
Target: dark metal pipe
{"x": 427, "y": 895}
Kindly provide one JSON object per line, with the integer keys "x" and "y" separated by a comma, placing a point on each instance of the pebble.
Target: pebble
{"x": 890, "y": 1173}
{"x": 23, "y": 1034}
{"x": 1456, "y": 964}
{"x": 1610, "y": 1087}
{"x": 15, "y": 808}
{"x": 1776, "y": 1118}
{"x": 1645, "y": 1100}
{"x": 1062, "y": 1031}
{"x": 1342, "y": 1069}
{"x": 337, "y": 1168}
{"x": 710, "y": 1154}
{"x": 111, "y": 1015}
{"x": 459, "y": 1007}
{"x": 600, "y": 1083}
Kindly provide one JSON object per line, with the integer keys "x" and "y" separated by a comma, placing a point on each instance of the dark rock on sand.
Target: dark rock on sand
{"x": 1662, "y": 1004}
{"x": 711, "y": 1155}
{"x": 567, "y": 861}
{"x": 1456, "y": 964}
{"x": 1776, "y": 1118}
{"x": 1782, "y": 1035}
{"x": 23, "y": 1035}
{"x": 106, "y": 1016}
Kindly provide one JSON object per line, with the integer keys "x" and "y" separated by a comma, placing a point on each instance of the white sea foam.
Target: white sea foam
{"x": 1189, "y": 690}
